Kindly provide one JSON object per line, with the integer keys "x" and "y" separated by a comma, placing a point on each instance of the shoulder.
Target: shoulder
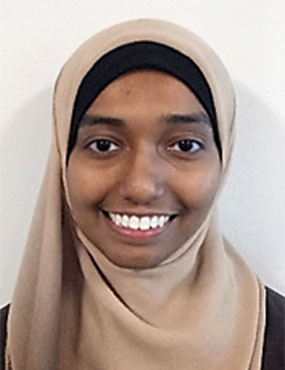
{"x": 3, "y": 333}
{"x": 273, "y": 348}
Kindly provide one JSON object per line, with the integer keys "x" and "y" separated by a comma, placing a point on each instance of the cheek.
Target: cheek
{"x": 198, "y": 186}
{"x": 85, "y": 186}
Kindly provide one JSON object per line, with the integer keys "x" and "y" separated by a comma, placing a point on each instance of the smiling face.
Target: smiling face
{"x": 144, "y": 170}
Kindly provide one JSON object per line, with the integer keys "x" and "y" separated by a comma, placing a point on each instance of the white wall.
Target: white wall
{"x": 37, "y": 36}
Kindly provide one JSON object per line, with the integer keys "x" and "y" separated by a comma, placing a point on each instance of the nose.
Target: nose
{"x": 144, "y": 178}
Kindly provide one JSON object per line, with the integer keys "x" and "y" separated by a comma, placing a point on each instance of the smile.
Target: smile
{"x": 140, "y": 223}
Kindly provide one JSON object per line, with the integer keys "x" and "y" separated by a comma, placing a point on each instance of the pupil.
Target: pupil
{"x": 185, "y": 145}
{"x": 103, "y": 145}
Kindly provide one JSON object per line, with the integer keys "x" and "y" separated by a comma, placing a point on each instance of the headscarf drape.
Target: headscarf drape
{"x": 72, "y": 308}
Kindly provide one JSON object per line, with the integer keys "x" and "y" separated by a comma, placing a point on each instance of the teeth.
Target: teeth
{"x": 134, "y": 223}
{"x": 154, "y": 222}
{"x": 160, "y": 221}
{"x": 125, "y": 220}
{"x": 117, "y": 219}
{"x": 145, "y": 223}
{"x": 138, "y": 223}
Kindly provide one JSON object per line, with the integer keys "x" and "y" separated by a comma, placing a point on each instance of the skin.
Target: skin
{"x": 144, "y": 115}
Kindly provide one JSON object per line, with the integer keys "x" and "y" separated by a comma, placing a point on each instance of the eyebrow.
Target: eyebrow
{"x": 188, "y": 118}
{"x": 89, "y": 120}
{"x": 199, "y": 117}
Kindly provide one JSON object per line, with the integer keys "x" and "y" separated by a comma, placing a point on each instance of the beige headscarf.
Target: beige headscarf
{"x": 201, "y": 309}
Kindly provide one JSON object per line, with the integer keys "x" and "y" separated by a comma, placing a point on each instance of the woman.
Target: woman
{"x": 125, "y": 266}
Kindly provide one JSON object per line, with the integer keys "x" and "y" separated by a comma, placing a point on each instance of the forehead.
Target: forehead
{"x": 145, "y": 101}
{"x": 146, "y": 89}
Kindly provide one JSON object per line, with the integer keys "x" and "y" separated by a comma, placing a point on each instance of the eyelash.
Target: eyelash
{"x": 102, "y": 141}
{"x": 190, "y": 142}
{"x": 173, "y": 147}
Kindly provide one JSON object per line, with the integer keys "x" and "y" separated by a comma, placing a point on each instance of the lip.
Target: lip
{"x": 136, "y": 235}
{"x": 141, "y": 213}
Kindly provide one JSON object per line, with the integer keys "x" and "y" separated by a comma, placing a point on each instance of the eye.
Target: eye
{"x": 102, "y": 145}
{"x": 187, "y": 146}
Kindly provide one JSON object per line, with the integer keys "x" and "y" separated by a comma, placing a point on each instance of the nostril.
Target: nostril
{"x": 144, "y": 178}
{"x": 141, "y": 192}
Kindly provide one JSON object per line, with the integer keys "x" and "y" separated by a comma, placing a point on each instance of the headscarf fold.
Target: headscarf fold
{"x": 72, "y": 308}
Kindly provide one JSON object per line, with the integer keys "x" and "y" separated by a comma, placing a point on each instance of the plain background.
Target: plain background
{"x": 36, "y": 38}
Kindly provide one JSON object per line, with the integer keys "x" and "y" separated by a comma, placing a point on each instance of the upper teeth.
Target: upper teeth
{"x": 138, "y": 223}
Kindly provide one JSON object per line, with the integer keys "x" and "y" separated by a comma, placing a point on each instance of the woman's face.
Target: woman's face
{"x": 144, "y": 170}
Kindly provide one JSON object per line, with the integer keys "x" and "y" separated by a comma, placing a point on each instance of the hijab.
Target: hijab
{"x": 72, "y": 308}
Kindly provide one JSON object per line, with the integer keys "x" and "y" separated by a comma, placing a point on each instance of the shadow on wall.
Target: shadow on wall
{"x": 24, "y": 145}
{"x": 251, "y": 208}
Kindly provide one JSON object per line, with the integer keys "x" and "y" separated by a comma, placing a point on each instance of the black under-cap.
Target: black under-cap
{"x": 141, "y": 56}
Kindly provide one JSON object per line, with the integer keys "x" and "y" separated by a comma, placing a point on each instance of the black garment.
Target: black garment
{"x": 274, "y": 342}
{"x": 273, "y": 349}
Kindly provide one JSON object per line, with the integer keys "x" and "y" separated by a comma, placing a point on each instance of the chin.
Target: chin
{"x": 138, "y": 261}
